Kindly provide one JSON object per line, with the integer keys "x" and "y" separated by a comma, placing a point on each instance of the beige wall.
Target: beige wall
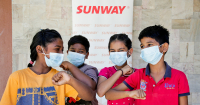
{"x": 5, "y": 42}
{"x": 181, "y": 17}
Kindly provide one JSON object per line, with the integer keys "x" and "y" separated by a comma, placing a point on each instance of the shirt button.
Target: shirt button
{"x": 153, "y": 85}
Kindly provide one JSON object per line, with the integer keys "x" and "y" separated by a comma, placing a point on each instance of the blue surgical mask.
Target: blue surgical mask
{"x": 151, "y": 55}
{"x": 55, "y": 59}
{"x": 76, "y": 59}
{"x": 118, "y": 58}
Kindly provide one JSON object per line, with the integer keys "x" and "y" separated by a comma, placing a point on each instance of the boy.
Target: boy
{"x": 78, "y": 51}
{"x": 158, "y": 82}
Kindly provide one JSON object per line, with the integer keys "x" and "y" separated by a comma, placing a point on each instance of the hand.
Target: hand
{"x": 138, "y": 94}
{"x": 127, "y": 70}
{"x": 65, "y": 65}
{"x": 61, "y": 78}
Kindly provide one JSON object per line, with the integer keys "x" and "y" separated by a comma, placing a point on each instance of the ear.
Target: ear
{"x": 165, "y": 47}
{"x": 67, "y": 51}
{"x": 39, "y": 49}
{"x": 86, "y": 56}
{"x": 130, "y": 51}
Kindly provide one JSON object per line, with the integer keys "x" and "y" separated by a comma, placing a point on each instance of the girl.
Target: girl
{"x": 33, "y": 85}
{"x": 120, "y": 49}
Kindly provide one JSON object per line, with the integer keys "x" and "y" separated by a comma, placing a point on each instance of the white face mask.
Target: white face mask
{"x": 151, "y": 55}
{"x": 76, "y": 58}
{"x": 118, "y": 58}
{"x": 55, "y": 59}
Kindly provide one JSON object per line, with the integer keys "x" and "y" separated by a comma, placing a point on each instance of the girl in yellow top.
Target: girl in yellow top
{"x": 38, "y": 84}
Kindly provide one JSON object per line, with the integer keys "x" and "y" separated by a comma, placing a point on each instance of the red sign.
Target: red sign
{"x": 103, "y": 9}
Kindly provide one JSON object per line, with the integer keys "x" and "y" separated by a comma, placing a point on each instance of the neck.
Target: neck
{"x": 158, "y": 68}
{"x": 40, "y": 68}
{"x": 119, "y": 67}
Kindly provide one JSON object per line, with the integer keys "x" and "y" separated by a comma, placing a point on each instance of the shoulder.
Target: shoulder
{"x": 138, "y": 73}
{"x": 176, "y": 72}
{"x": 107, "y": 69}
{"x": 107, "y": 72}
{"x": 89, "y": 67}
{"x": 18, "y": 73}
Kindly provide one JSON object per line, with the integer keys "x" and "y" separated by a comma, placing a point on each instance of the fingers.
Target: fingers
{"x": 140, "y": 94}
{"x": 57, "y": 77}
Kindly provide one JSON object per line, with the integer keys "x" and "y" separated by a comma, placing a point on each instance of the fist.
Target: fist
{"x": 61, "y": 78}
{"x": 127, "y": 70}
{"x": 138, "y": 94}
{"x": 65, "y": 65}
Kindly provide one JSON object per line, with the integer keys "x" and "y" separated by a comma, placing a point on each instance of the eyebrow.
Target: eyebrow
{"x": 119, "y": 48}
{"x": 150, "y": 42}
{"x": 74, "y": 48}
{"x": 57, "y": 46}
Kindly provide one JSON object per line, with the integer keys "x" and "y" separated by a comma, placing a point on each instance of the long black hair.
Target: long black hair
{"x": 42, "y": 38}
{"x": 121, "y": 37}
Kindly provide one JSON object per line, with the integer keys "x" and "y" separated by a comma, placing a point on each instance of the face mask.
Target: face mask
{"x": 55, "y": 59}
{"x": 118, "y": 58}
{"x": 76, "y": 58}
{"x": 151, "y": 55}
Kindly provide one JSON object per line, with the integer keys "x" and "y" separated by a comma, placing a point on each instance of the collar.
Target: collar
{"x": 167, "y": 72}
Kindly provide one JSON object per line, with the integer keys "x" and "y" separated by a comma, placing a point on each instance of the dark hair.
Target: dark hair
{"x": 121, "y": 37}
{"x": 79, "y": 39}
{"x": 42, "y": 38}
{"x": 157, "y": 32}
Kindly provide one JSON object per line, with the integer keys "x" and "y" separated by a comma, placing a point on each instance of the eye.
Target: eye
{"x": 57, "y": 49}
{"x": 142, "y": 47}
{"x": 80, "y": 52}
{"x": 150, "y": 45}
{"x": 112, "y": 51}
{"x": 121, "y": 50}
{"x": 72, "y": 50}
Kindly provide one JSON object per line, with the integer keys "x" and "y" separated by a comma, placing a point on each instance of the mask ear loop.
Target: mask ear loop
{"x": 43, "y": 51}
{"x": 128, "y": 54}
{"x": 161, "y": 45}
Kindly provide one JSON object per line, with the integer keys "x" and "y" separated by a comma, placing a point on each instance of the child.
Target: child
{"x": 158, "y": 83}
{"x": 120, "y": 49}
{"x": 33, "y": 85}
{"x": 78, "y": 51}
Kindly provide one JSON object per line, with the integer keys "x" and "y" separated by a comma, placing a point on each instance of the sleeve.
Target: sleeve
{"x": 183, "y": 86}
{"x": 10, "y": 94}
{"x": 132, "y": 81}
{"x": 92, "y": 73}
{"x": 71, "y": 92}
{"x": 104, "y": 73}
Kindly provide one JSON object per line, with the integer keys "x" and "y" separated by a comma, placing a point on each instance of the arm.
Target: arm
{"x": 183, "y": 100}
{"x": 119, "y": 92}
{"x": 79, "y": 75}
{"x": 105, "y": 84}
{"x": 84, "y": 92}
{"x": 183, "y": 89}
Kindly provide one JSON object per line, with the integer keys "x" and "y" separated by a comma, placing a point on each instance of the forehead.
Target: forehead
{"x": 77, "y": 46}
{"x": 148, "y": 40}
{"x": 117, "y": 44}
{"x": 56, "y": 42}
